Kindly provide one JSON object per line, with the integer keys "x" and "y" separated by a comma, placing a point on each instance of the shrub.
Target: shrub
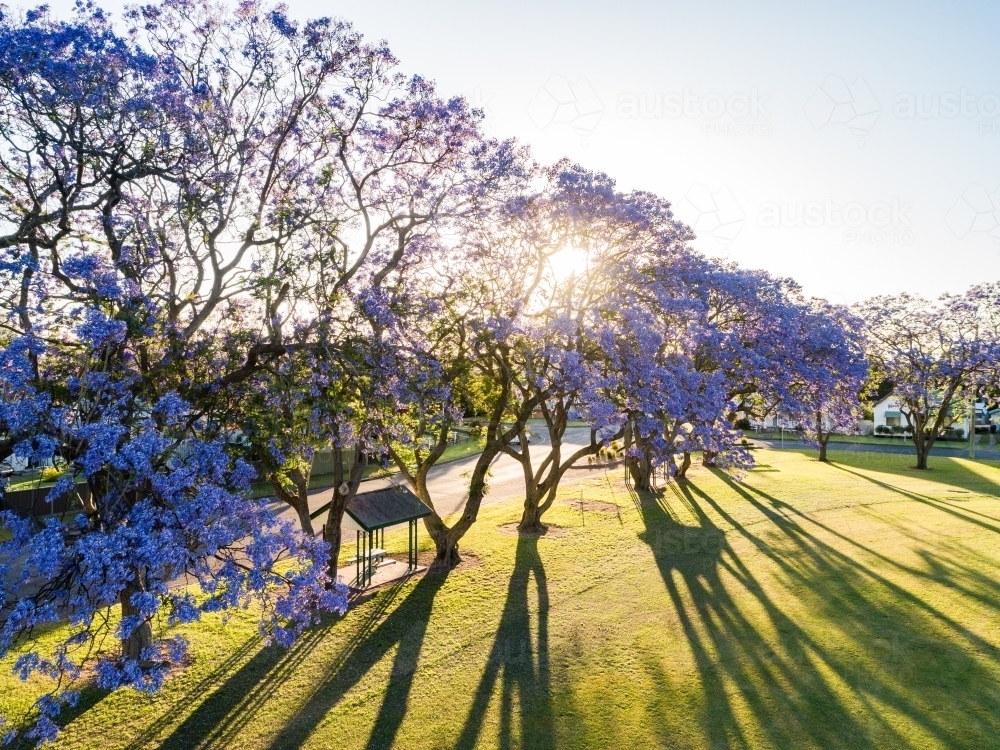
{"x": 50, "y": 474}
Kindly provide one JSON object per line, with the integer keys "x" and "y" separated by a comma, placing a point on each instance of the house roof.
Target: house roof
{"x": 886, "y": 398}
{"x": 389, "y": 506}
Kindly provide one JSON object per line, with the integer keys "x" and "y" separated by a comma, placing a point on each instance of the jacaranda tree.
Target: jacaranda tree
{"x": 832, "y": 370}
{"x": 937, "y": 355}
{"x": 129, "y": 313}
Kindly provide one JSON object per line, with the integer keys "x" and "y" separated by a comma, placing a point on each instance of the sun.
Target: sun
{"x": 569, "y": 262}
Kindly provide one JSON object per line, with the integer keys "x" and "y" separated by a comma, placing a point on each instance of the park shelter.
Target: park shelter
{"x": 369, "y": 514}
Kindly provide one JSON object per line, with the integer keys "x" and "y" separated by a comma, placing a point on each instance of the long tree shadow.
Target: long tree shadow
{"x": 947, "y": 471}
{"x": 952, "y": 508}
{"x": 172, "y": 715}
{"x": 682, "y": 549}
{"x": 737, "y": 663}
{"x": 522, "y": 661}
{"x": 233, "y": 705}
{"x": 90, "y": 697}
{"x": 795, "y": 525}
{"x": 769, "y": 675}
{"x": 901, "y": 657}
{"x": 406, "y": 626}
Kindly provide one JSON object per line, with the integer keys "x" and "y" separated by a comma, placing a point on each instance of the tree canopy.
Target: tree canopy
{"x": 229, "y": 240}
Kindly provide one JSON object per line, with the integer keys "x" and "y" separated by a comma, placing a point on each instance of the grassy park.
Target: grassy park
{"x": 843, "y": 606}
{"x": 982, "y": 439}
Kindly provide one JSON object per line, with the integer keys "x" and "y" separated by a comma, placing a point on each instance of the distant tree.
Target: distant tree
{"x": 750, "y": 321}
{"x": 935, "y": 353}
{"x": 830, "y": 374}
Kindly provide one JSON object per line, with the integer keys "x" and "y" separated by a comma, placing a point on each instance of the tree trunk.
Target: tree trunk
{"x": 542, "y": 485}
{"x": 302, "y": 511}
{"x": 344, "y": 489}
{"x": 639, "y": 468}
{"x": 823, "y": 439}
{"x": 445, "y": 542}
{"x": 298, "y": 500}
{"x": 708, "y": 459}
{"x": 923, "y": 450}
{"x": 332, "y": 533}
{"x": 141, "y": 638}
{"x": 922, "y": 441}
{"x": 531, "y": 516}
{"x": 446, "y": 539}
{"x": 641, "y": 473}
{"x": 685, "y": 465}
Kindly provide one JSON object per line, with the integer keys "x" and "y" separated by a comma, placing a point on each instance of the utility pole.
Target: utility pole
{"x": 972, "y": 425}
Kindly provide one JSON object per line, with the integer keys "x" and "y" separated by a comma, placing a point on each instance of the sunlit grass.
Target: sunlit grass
{"x": 844, "y": 606}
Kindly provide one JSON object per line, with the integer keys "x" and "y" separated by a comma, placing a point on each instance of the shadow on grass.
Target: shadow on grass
{"x": 234, "y": 704}
{"x": 406, "y": 627}
{"x": 768, "y": 679}
{"x": 89, "y": 698}
{"x": 953, "y": 508}
{"x": 903, "y": 658}
{"x": 737, "y": 663}
{"x": 524, "y": 665}
{"x": 180, "y": 707}
{"x": 948, "y": 471}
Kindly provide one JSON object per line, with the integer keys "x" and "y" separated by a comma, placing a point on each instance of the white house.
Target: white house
{"x": 889, "y": 413}
{"x": 778, "y": 420}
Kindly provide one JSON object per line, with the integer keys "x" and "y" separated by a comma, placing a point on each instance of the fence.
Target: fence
{"x": 34, "y": 501}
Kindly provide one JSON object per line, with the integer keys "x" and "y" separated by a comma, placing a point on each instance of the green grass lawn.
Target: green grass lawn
{"x": 982, "y": 439}
{"x": 853, "y": 605}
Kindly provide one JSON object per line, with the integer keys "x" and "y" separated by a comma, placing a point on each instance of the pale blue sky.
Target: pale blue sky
{"x": 564, "y": 77}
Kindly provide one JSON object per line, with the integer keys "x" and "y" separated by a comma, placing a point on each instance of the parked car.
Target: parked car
{"x": 6, "y": 470}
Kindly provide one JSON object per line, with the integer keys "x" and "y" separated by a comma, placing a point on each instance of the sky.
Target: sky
{"x": 854, "y": 147}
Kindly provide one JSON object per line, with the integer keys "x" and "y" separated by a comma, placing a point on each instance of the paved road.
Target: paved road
{"x": 948, "y": 450}
{"x": 449, "y": 483}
